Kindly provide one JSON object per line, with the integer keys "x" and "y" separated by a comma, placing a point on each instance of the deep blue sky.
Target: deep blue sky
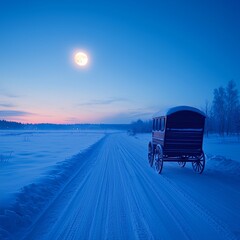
{"x": 144, "y": 56}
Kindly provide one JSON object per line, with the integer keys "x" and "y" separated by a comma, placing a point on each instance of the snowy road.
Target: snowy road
{"x": 116, "y": 195}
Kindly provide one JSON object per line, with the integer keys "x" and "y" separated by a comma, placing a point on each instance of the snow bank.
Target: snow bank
{"x": 28, "y": 155}
{"x": 228, "y": 147}
{"x": 223, "y": 165}
{"x": 223, "y": 154}
{"x": 34, "y": 198}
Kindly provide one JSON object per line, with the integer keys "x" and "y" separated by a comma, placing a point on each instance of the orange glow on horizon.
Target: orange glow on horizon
{"x": 36, "y": 119}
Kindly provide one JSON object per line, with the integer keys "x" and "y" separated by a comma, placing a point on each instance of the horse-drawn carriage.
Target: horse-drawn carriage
{"x": 177, "y": 136}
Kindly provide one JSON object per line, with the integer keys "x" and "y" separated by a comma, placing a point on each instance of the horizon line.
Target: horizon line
{"x": 64, "y": 123}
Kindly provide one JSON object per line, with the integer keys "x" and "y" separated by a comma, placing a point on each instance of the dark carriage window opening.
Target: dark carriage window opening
{"x": 162, "y": 124}
{"x": 157, "y": 122}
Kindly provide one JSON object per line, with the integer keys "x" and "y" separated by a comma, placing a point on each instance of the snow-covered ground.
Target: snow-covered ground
{"x": 228, "y": 146}
{"x": 28, "y": 155}
{"x": 223, "y": 154}
{"x": 109, "y": 191}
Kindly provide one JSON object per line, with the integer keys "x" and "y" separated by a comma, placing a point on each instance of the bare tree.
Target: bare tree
{"x": 207, "y": 121}
{"x": 140, "y": 126}
{"x": 219, "y": 107}
{"x": 237, "y": 120}
{"x": 232, "y": 103}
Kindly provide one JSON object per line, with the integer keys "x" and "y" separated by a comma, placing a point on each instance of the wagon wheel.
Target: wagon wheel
{"x": 199, "y": 164}
{"x": 182, "y": 164}
{"x": 158, "y": 159}
{"x": 150, "y": 154}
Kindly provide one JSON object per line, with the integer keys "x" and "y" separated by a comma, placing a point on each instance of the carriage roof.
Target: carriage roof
{"x": 172, "y": 110}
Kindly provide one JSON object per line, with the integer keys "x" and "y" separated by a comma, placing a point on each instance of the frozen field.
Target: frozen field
{"x": 223, "y": 154}
{"x": 26, "y": 156}
{"x": 110, "y": 192}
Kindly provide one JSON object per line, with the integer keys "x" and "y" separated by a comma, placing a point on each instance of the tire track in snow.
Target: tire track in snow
{"x": 205, "y": 213}
{"x": 119, "y": 222}
{"x": 140, "y": 227}
{"x": 100, "y": 207}
{"x": 84, "y": 206}
{"x": 65, "y": 198}
{"x": 152, "y": 196}
{"x": 173, "y": 190}
{"x": 118, "y": 196}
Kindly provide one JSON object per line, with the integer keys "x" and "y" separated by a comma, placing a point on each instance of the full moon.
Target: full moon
{"x": 81, "y": 59}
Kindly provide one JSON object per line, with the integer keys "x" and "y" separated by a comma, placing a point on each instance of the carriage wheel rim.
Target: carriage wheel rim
{"x": 158, "y": 161}
{"x": 150, "y": 159}
{"x": 199, "y": 164}
{"x": 150, "y": 155}
{"x": 182, "y": 163}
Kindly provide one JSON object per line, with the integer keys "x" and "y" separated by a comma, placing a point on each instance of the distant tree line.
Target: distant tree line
{"x": 223, "y": 114}
{"x": 10, "y": 125}
{"x": 140, "y": 126}
{"x": 7, "y": 125}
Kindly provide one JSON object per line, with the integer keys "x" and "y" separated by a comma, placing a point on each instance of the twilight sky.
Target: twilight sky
{"x": 144, "y": 56}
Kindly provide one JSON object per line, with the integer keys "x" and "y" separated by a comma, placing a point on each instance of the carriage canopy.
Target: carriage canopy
{"x": 177, "y": 135}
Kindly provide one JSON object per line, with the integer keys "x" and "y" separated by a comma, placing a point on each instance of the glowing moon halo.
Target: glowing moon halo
{"x": 81, "y": 59}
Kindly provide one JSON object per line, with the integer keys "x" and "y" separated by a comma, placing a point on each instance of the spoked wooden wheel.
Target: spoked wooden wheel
{"x": 150, "y": 154}
{"x": 158, "y": 159}
{"x": 199, "y": 164}
{"x": 182, "y": 164}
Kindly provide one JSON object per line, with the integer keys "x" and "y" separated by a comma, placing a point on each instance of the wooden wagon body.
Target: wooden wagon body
{"x": 177, "y": 136}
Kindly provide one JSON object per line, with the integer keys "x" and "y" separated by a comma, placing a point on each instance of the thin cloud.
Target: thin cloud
{"x": 8, "y": 94}
{"x": 141, "y": 114}
{"x": 103, "y": 101}
{"x": 14, "y": 113}
{"x": 127, "y": 117}
{"x": 146, "y": 112}
{"x": 8, "y": 105}
{"x": 72, "y": 120}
